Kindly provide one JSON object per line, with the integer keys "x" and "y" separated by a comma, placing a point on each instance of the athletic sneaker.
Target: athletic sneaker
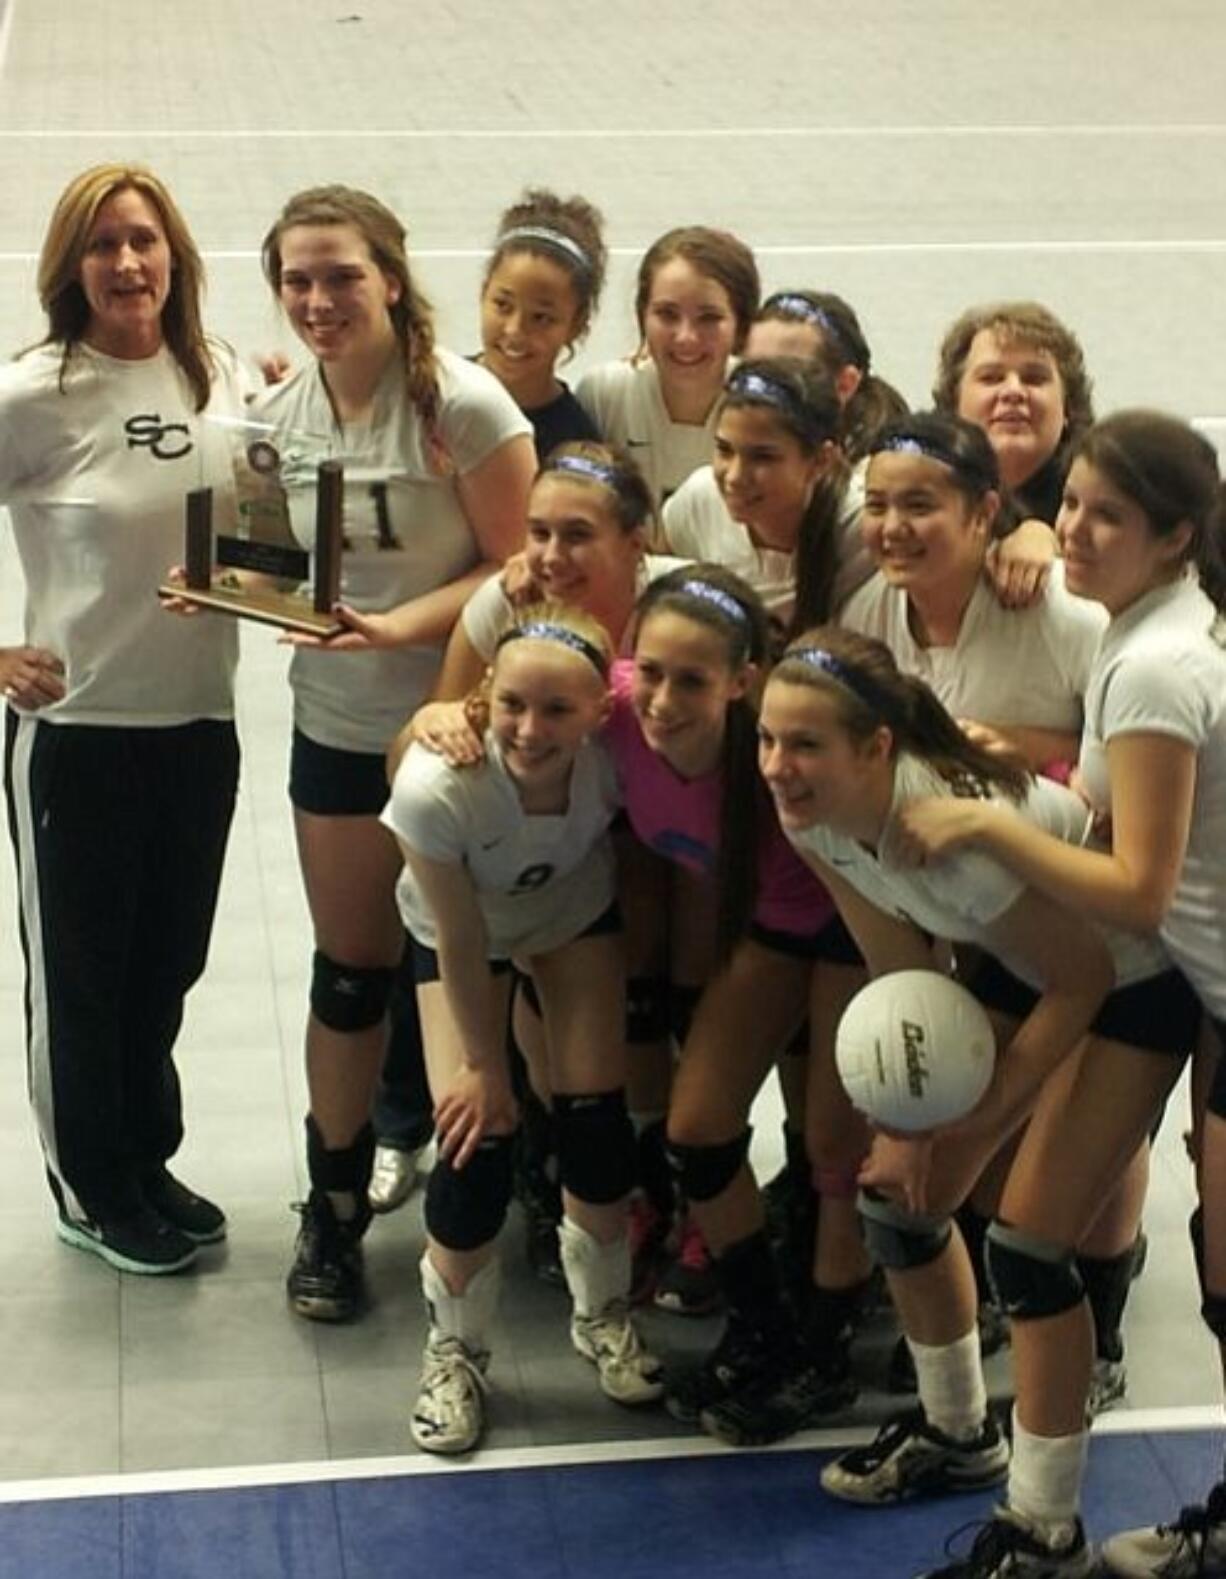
{"x": 202, "y": 1221}
{"x": 449, "y": 1416}
{"x": 1009, "y": 1547}
{"x": 1194, "y": 1547}
{"x": 910, "y": 1458}
{"x": 744, "y": 1354}
{"x": 142, "y": 1242}
{"x": 393, "y": 1177}
{"x": 1108, "y": 1385}
{"x": 326, "y": 1281}
{"x": 774, "y": 1407}
{"x": 689, "y": 1285}
{"x": 629, "y": 1374}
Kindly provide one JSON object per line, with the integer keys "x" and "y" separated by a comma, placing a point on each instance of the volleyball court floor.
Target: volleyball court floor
{"x": 915, "y": 159}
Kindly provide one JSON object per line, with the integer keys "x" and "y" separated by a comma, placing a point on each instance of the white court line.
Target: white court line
{"x": 230, "y": 1478}
{"x": 622, "y": 133}
{"x": 1176, "y": 245}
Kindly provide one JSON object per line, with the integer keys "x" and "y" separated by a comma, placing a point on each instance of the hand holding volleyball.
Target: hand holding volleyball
{"x": 915, "y": 1050}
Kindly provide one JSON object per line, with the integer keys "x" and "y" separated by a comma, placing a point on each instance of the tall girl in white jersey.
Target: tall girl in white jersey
{"x": 438, "y": 460}
{"x": 697, "y": 292}
{"x": 509, "y": 859}
{"x": 1140, "y": 528}
{"x": 846, "y": 742}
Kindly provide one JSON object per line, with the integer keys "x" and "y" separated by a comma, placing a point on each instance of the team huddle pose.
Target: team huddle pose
{"x": 662, "y": 715}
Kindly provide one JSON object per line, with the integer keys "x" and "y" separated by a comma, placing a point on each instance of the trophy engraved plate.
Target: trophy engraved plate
{"x": 264, "y": 539}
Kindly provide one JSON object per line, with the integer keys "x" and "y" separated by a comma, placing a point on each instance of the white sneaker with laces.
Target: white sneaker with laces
{"x": 393, "y": 1178}
{"x": 598, "y": 1277}
{"x": 1193, "y": 1547}
{"x": 629, "y": 1374}
{"x": 449, "y": 1416}
{"x": 1108, "y": 1386}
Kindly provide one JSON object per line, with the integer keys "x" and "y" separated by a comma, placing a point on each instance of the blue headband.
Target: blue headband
{"x": 558, "y": 240}
{"x": 582, "y": 466}
{"x": 934, "y": 450}
{"x": 549, "y": 630}
{"x": 861, "y": 686}
{"x": 796, "y": 306}
{"x": 773, "y": 391}
{"x": 716, "y": 596}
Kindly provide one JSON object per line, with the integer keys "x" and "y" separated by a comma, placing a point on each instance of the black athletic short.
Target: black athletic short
{"x": 332, "y": 783}
{"x": 1160, "y": 1014}
{"x": 834, "y": 943}
{"x": 423, "y": 960}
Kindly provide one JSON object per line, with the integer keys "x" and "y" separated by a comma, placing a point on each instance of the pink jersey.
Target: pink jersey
{"x": 679, "y": 819}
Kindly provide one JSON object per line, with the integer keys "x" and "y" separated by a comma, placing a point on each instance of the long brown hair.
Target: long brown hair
{"x": 411, "y": 314}
{"x": 863, "y": 680}
{"x": 715, "y": 597}
{"x": 59, "y": 270}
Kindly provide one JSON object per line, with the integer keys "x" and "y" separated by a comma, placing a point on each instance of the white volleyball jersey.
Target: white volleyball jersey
{"x": 698, "y": 525}
{"x": 626, "y": 403}
{"x": 96, "y": 476}
{"x": 489, "y": 612}
{"x": 1008, "y": 666}
{"x": 961, "y": 895}
{"x": 1160, "y": 671}
{"x": 406, "y": 533}
{"x": 540, "y": 880}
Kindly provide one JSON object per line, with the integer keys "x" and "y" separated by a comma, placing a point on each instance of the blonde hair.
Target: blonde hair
{"x": 59, "y": 270}
{"x": 537, "y": 620}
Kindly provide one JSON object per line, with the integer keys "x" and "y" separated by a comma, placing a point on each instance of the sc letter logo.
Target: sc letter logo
{"x": 161, "y": 438}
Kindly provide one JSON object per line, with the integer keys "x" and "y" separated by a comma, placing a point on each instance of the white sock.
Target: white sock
{"x": 1045, "y": 1476}
{"x": 949, "y": 1378}
{"x": 467, "y": 1316}
{"x": 596, "y": 1274}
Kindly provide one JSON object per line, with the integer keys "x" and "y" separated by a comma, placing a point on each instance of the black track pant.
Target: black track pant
{"x": 119, "y": 836}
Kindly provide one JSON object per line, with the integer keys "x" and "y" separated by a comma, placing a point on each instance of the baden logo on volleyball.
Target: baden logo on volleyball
{"x": 915, "y": 1050}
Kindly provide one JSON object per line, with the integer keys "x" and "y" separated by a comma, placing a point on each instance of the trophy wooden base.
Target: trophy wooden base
{"x": 288, "y": 610}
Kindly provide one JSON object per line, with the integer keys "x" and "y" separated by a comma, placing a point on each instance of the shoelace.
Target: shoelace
{"x": 996, "y": 1539}
{"x": 451, "y": 1372}
{"x": 1195, "y": 1524}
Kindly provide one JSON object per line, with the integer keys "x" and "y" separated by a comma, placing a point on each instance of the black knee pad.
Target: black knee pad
{"x": 1212, "y": 1306}
{"x": 595, "y": 1146}
{"x": 466, "y": 1207}
{"x": 1032, "y": 1277}
{"x": 647, "y": 1009}
{"x": 703, "y": 1172}
{"x": 348, "y": 997}
{"x": 898, "y": 1240}
{"x": 682, "y": 1001}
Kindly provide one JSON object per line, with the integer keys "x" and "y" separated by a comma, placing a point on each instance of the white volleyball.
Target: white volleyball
{"x": 915, "y": 1050}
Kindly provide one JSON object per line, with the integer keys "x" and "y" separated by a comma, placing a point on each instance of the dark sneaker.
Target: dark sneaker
{"x": 689, "y": 1286}
{"x": 1007, "y": 1547}
{"x": 993, "y": 1336}
{"x": 910, "y": 1458}
{"x": 777, "y": 1406}
{"x": 326, "y": 1281}
{"x": 202, "y": 1221}
{"x": 742, "y": 1355}
{"x": 1194, "y": 1547}
{"x": 143, "y": 1242}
